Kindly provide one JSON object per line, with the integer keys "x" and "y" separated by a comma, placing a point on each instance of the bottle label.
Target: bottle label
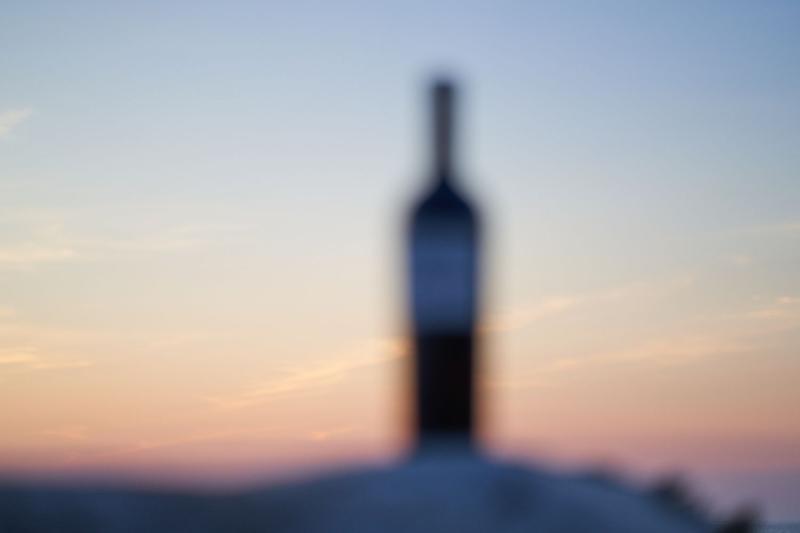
{"x": 443, "y": 279}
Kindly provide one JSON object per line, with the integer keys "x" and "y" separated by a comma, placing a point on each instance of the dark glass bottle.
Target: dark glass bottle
{"x": 444, "y": 253}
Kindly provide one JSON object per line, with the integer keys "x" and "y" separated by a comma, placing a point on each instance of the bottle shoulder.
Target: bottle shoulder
{"x": 445, "y": 200}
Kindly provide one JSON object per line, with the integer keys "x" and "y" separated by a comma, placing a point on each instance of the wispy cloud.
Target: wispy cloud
{"x": 43, "y": 238}
{"x": 780, "y": 314}
{"x": 170, "y": 239}
{"x": 143, "y": 446}
{"x": 324, "y": 435}
{"x": 11, "y": 119}
{"x": 26, "y": 347}
{"x": 26, "y": 361}
{"x": 322, "y": 374}
{"x": 676, "y": 350}
{"x": 742, "y": 260}
{"x": 68, "y": 433}
{"x": 524, "y": 316}
{"x": 786, "y": 227}
{"x": 520, "y": 318}
{"x": 743, "y": 332}
{"x": 679, "y": 349}
{"x": 28, "y": 255}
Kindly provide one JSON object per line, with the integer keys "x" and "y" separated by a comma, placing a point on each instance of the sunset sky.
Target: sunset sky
{"x": 201, "y": 212}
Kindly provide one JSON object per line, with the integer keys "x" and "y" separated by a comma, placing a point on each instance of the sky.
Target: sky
{"x": 201, "y": 217}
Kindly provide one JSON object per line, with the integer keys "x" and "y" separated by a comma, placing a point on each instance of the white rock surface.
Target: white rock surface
{"x": 451, "y": 493}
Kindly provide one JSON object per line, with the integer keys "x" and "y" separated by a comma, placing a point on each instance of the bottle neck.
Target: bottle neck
{"x": 443, "y": 132}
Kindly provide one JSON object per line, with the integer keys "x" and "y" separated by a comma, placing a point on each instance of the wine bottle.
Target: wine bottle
{"x": 443, "y": 264}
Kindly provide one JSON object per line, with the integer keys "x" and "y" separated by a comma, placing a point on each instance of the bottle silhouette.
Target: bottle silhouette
{"x": 443, "y": 257}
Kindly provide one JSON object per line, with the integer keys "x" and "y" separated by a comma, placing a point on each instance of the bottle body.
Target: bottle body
{"x": 444, "y": 264}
